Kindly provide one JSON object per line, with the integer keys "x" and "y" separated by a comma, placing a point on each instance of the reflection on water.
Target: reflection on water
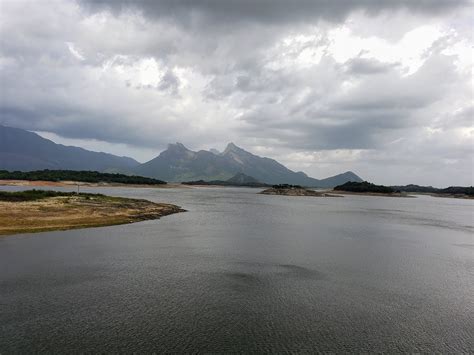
{"x": 246, "y": 272}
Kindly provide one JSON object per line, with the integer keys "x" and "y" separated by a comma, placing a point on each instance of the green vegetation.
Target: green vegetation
{"x": 33, "y": 195}
{"x": 239, "y": 179}
{"x": 72, "y": 175}
{"x": 225, "y": 183}
{"x": 286, "y": 186}
{"x": 415, "y": 188}
{"x": 294, "y": 190}
{"x": 364, "y": 187}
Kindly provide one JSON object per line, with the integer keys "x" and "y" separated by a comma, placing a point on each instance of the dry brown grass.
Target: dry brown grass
{"x": 61, "y": 213}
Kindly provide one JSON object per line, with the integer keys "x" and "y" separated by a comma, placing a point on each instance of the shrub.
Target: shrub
{"x": 33, "y": 195}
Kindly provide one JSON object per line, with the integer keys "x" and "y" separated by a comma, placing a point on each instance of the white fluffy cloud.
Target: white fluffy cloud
{"x": 380, "y": 88}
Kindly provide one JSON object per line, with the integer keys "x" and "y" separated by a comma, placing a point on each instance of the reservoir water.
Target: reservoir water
{"x": 243, "y": 272}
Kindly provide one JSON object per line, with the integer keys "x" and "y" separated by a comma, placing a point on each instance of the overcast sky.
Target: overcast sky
{"x": 380, "y": 87}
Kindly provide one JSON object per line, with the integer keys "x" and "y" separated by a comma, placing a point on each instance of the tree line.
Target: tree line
{"x": 82, "y": 176}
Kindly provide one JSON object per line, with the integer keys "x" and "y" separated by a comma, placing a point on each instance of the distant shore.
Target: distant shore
{"x": 369, "y": 189}
{"x": 380, "y": 194}
{"x": 464, "y": 197}
{"x": 77, "y": 211}
{"x": 402, "y": 194}
{"x": 41, "y": 183}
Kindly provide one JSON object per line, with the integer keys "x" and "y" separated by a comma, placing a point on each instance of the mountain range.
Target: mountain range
{"x": 25, "y": 151}
{"x": 177, "y": 163}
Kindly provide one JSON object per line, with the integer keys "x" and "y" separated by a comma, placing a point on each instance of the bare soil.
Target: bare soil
{"x": 61, "y": 213}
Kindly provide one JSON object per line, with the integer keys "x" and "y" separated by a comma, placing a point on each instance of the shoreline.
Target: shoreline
{"x": 44, "y": 183}
{"x": 380, "y": 194}
{"x": 462, "y": 197}
{"x": 403, "y": 194}
{"x": 75, "y": 212}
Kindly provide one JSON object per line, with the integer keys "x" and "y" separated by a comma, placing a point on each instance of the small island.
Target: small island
{"x": 294, "y": 190}
{"x": 368, "y": 189}
{"x": 365, "y": 187}
{"x": 38, "y": 211}
{"x": 238, "y": 180}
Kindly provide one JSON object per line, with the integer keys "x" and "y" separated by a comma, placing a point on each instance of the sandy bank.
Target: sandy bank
{"x": 61, "y": 213}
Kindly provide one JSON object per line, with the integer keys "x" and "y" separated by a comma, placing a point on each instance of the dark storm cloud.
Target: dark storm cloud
{"x": 266, "y": 11}
{"x": 78, "y": 123}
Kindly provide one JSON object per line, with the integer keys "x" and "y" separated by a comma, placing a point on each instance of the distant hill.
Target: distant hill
{"x": 339, "y": 179}
{"x": 238, "y": 179}
{"x": 25, "y": 151}
{"x": 178, "y": 163}
{"x": 241, "y": 178}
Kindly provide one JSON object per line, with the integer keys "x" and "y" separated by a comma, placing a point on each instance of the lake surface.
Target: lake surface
{"x": 242, "y": 272}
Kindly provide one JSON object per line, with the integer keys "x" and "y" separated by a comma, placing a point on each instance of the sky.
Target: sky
{"x": 380, "y": 87}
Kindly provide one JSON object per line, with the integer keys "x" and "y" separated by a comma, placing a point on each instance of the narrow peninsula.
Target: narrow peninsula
{"x": 38, "y": 211}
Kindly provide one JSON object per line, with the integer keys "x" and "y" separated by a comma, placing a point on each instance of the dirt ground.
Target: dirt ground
{"x": 61, "y": 213}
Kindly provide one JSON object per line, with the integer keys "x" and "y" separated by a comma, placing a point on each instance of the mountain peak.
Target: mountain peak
{"x": 351, "y": 174}
{"x": 176, "y": 151}
{"x": 177, "y": 147}
{"x": 231, "y": 147}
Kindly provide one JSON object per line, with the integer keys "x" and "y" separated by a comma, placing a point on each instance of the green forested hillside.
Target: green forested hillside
{"x": 72, "y": 175}
{"x": 363, "y": 186}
